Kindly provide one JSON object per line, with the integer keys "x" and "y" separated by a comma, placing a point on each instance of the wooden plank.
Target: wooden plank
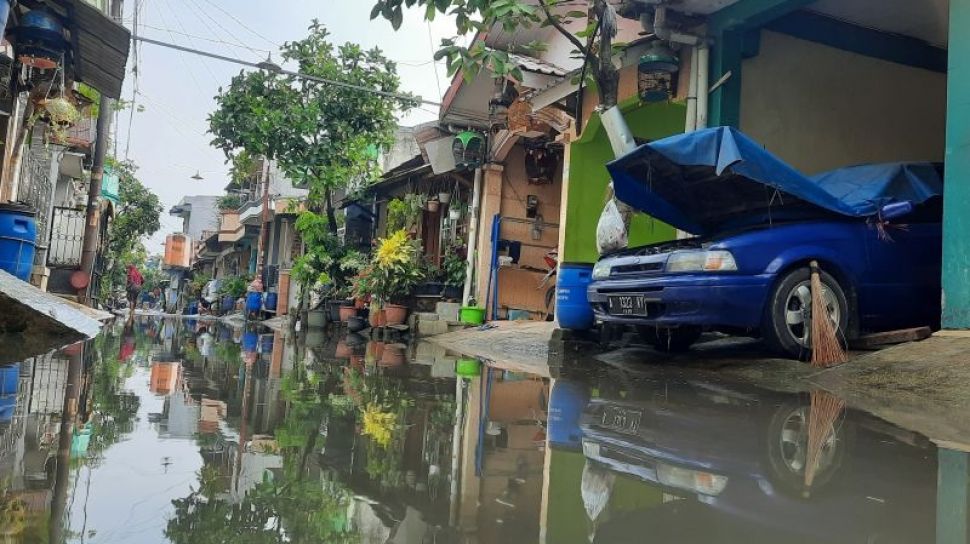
{"x": 892, "y": 337}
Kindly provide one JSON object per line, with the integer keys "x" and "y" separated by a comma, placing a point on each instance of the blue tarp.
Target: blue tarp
{"x": 709, "y": 180}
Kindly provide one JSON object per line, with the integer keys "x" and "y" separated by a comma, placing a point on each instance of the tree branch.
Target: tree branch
{"x": 562, "y": 30}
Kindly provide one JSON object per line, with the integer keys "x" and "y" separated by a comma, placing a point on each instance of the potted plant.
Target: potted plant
{"x": 433, "y": 282}
{"x": 472, "y": 314}
{"x": 433, "y": 205}
{"x": 444, "y": 197}
{"x": 232, "y": 289}
{"x": 397, "y": 269}
{"x": 454, "y": 267}
{"x": 456, "y": 210}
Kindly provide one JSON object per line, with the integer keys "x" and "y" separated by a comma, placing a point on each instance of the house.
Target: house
{"x": 46, "y": 166}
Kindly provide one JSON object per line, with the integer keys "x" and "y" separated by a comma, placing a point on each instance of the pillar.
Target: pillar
{"x": 490, "y": 206}
{"x": 956, "y": 212}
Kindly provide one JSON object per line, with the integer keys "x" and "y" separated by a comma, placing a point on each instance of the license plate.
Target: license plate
{"x": 622, "y": 420}
{"x": 628, "y": 305}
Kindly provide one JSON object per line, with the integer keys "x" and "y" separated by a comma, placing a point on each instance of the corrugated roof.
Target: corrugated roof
{"x": 533, "y": 64}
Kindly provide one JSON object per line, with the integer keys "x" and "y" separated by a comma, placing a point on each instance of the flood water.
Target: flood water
{"x": 187, "y": 432}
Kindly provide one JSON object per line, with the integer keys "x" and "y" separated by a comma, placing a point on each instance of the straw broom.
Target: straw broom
{"x": 827, "y": 349}
{"x": 825, "y": 410}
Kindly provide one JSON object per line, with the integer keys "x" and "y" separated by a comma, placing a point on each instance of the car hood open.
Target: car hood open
{"x": 714, "y": 180}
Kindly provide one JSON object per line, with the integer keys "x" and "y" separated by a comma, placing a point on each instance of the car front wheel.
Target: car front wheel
{"x": 788, "y": 320}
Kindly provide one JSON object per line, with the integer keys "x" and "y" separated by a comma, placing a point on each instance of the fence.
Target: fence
{"x": 67, "y": 238}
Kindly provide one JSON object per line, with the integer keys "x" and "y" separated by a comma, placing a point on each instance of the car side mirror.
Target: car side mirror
{"x": 896, "y": 210}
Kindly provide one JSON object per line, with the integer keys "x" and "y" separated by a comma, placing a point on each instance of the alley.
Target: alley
{"x": 179, "y": 430}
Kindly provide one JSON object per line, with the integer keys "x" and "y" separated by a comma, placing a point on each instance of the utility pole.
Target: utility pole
{"x": 263, "y": 243}
{"x": 89, "y": 253}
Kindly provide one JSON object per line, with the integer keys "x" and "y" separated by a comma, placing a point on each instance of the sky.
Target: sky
{"x": 167, "y": 138}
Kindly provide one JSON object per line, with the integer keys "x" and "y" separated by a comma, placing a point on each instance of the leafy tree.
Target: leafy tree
{"x": 137, "y": 217}
{"x": 472, "y": 16}
{"x": 323, "y": 136}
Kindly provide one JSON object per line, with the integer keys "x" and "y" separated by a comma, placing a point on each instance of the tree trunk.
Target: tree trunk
{"x": 331, "y": 213}
{"x": 607, "y": 77}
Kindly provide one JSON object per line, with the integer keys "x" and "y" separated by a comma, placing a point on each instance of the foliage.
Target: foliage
{"x": 323, "y": 136}
{"x": 234, "y": 286}
{"x": 379, "y": 425}
{"x": 396, "y": 266}
{"x": 404, "y": 213}
{"x": 230, "y": 202}
{"x": 243, "y": 170}
{"x": 137, "y": 217}
{"x": 197, "y": 284}
{"x": 455, "y": 265}
{"x": 480, "y": 16}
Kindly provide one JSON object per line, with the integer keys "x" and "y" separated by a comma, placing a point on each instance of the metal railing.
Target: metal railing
{"x": 67, "y": 238}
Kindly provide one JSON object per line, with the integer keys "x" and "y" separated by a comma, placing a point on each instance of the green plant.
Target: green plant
{"x": 230, "y": 202}
{"x": 396, "y": 267}
{"x": 197, "y": 284}
{"x": 455, "y": 265}
{"x": 234, "y": 287}
{"x": 404, "y": 213}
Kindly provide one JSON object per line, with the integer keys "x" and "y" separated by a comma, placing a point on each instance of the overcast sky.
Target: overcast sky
{"x": 168, "y": 140}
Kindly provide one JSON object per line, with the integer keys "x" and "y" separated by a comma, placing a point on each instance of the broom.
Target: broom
{"x": 827, "y": 349}
{"x": 825, "y": 410}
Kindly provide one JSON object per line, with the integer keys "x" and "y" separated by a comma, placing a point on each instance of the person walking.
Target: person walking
{"x": 135, "y": 281}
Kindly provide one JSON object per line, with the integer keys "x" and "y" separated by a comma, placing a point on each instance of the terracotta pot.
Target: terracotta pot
{"x": 393, "y": 356}
{"x": 357, "y": 361}
{"x": 395, "y": 314}
{"x": 375, "y": 351}
{"x": 377, "y": 319}
{"x": 433, "y": 206}
{"x": 346, "y": 312}
{"x": 343, "y": 350}
{"x": 360, "y": 303}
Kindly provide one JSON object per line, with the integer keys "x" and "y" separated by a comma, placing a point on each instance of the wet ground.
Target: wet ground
{"x": 187, "y": 432}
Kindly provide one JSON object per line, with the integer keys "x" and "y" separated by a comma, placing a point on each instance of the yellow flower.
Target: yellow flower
{"x": 379, "y": 425}
{"x": 393, "y": 249}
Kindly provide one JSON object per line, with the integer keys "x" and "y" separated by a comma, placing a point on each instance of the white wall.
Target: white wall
{"x": 821, "y": 108}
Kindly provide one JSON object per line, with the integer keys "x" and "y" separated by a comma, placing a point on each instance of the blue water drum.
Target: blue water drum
{"x": 566, "y": 404}
{"x": 254, "y": 301}
{"x": 228, "y": 303}
{"x": 192, "y": 309}
{"x": 9, "y": 377}
{"x": 572, "y": 306}
{"x": 250, "y": 341}
{"x": 271, "y": 300}
{"x": 8, "y": 405}
{"x": 18, "y": 237}
{"x": 266, "y": 343}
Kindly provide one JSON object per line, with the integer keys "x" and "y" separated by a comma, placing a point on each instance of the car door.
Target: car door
{"x": 903, "y": 284}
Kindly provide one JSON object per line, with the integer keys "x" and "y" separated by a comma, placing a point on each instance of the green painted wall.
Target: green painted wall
{"x": 588, "y": 179}
{"x": 956, "y": 201}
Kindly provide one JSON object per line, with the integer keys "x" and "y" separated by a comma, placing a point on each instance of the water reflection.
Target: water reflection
{"x": 185, "y": 431}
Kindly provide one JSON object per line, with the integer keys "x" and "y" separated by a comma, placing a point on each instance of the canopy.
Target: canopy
{"x": 713, "y": 180}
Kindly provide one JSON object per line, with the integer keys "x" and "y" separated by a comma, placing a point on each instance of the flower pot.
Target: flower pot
{"x": 377, "y": 319}
{"x": 374, "y": 352}
{"x": 433, "y": 206}
{"x": 393, "y": 356}
{"x": 429, "y": 288}
{"x": 316, "y": 319}
{"x": 454, "y": 214}
{"x": 444, "y": 198}
{"x": 356, "y": 324}
{"x": 395, "y": 314}
{"x": 333, "y": 310}
{"x": 453, "y": 292}
{"x": 346, "y": 312}
{"x": 343, "y": 351}
{"x": 470, "y": 315}
{"x": 360, "y": 303}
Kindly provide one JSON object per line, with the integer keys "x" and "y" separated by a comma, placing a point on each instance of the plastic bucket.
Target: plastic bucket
{"x": 467, "y": 367}
{"x": 271, "y": 300}
{"x": 572, "y": 305}
{"x": 254, "y": 301}
{"x": 18, "y": 235}
{"x": 9, "y": 377}
{"x": 471, "y": 316}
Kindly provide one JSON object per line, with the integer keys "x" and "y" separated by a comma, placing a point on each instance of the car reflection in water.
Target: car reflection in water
{"x": 728, "y": 462}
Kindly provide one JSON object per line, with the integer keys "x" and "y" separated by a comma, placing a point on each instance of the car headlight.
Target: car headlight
{"x": 601, "y": 270}
{"x": 701, "y": 261}
{"x": 696, "y": 481}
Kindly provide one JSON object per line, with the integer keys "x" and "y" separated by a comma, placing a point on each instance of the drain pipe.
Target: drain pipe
{"x": 703, "y": 91}
{"x": 473, "y": 236}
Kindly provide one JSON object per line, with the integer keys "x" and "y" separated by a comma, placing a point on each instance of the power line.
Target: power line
{"x": 242, "y": 24}
{"x": 218, "y": 24}
{"x": 278, "y": 70}
{"x": 205, "y": 39}
{"x": 178, "y": 21}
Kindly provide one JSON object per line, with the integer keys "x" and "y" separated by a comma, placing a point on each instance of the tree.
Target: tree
{"x": 481, "y": 15}
{"x": 137, "y": 216}
{"x": 323, "y": 136}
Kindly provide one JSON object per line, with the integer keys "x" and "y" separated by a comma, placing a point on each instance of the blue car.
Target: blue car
{"x": 753, "y": 227}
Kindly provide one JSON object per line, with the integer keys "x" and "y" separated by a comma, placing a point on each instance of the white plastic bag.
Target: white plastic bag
{"x": 611, "y": 231}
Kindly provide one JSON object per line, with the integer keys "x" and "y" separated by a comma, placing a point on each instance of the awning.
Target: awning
{"x": 100, "y": 46}
{"x": 713, "y": 180}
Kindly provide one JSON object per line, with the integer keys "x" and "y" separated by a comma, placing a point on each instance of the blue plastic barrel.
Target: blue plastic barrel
{"x": 228, "y": 303}
{"x": 18, "y": 236}
{"x": 572, "y": 306}
{"x": 566, "y": 404}
{"x": 254, "y": 302}
{"x": 266, "y": 343}
{"x": 8, "y": 405}
{"x": 250, "y": 341}
{"x": 9, "y": 377}
{"x": 192, "y": 308}
{"x": 271, "y": 300}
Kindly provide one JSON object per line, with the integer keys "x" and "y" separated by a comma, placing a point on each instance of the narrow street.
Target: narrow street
{"x": 179, "y": 430}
